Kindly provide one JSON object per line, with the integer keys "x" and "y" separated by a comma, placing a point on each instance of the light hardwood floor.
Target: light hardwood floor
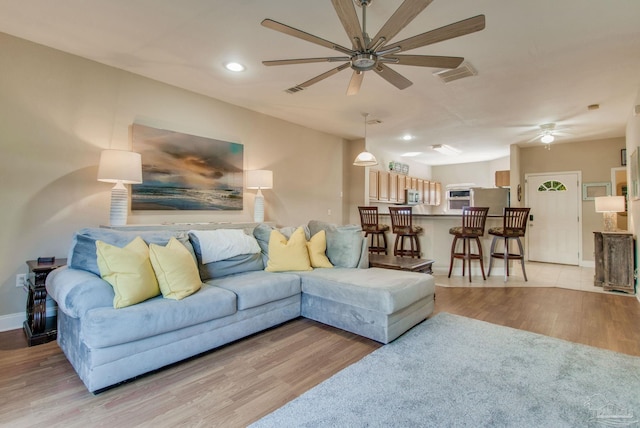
{"x": 241, "y": 382}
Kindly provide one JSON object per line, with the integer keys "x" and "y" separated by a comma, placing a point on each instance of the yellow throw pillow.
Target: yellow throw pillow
{"x": 317, "y": 247}
{"x": 288, "y": 255}
{"x": 128, "y": 270}
{"x": 175, "y": 269}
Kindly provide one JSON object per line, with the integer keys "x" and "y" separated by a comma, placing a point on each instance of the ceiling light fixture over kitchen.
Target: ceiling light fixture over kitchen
{"x": 365, "y": 158}
{"x": 445, "y": 150}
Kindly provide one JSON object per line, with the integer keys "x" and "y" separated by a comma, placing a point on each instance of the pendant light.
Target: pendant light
{"x": 365, "y": 158}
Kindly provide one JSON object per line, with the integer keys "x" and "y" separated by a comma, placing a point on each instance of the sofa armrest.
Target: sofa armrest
{"x": 77, "y": 291}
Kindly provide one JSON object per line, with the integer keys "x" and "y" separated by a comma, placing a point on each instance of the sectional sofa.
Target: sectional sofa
{"x": 237, "y": 297}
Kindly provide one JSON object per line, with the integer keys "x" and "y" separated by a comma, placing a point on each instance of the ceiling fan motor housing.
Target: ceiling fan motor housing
{"x": 364, "y": 61}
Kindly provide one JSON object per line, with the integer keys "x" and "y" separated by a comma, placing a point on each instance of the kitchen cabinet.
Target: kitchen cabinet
{"x": 383, "y": 186}
{"x": 502, "y": 178}
{"x": 373, "y": 185}
{"x": 402, "y": 179}
{"x": 614, "y": 260}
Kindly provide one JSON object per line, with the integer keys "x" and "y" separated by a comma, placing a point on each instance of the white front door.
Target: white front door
{"x": 554, "y": 224}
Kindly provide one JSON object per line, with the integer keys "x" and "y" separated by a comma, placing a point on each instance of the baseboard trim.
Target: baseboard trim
{"x": 12, "y": 321}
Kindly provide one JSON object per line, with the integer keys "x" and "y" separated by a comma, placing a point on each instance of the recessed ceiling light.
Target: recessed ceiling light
{"x": 234, "y": 66}
{"x": 411, "y": 154}
{"x": 407, "y": 137}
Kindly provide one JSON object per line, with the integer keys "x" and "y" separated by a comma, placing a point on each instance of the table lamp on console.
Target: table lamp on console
{"x": 120, "y": 167}
{"x": 610, "y": 206}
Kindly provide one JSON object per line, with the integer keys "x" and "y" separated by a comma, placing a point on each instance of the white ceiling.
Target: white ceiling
{"x": 537, "y": 61}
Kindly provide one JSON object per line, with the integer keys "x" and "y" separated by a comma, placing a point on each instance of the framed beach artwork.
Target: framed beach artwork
{"x": 186, "y": 172}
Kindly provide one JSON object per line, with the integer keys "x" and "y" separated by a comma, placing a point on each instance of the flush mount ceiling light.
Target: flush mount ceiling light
{"x": 234, "y": 66}
{"x": 407, "y": 137}
{"x": 445, "y": 150}
{"x": 411, "y": 154}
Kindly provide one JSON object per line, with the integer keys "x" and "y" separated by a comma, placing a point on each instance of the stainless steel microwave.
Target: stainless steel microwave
{"x": 458, "y": 199}
{"x": 411, "y": 197}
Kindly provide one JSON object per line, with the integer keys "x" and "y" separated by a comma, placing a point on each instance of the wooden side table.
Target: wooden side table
{"x": 614, "y": 261}
{"x": 38, "y": 328}
{"x": 400, "y": 263}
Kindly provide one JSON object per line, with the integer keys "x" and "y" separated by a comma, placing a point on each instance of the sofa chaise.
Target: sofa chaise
{"x": 237, "y": 297}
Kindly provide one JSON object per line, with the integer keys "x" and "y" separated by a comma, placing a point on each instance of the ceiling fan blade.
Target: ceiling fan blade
{"x": 427, "y": 60}
{"x": 305, "y": 60}
{"x": 323, "y": 76}
{"x": 349, "y": 18}
{"x": 274, "y": 25}
{"x": 457, "y": 29}
{"x": 395, "y": 78}
{"x": 407, "y": 11}
{"x": 355, "y": 82}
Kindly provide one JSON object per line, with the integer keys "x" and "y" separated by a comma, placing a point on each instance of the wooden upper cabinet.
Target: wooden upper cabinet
{"x": 438, "y": 194}
{"x": 383, "y": 186}
{"x": 402, "y": 179}
{"x": 421, "y": 190}
{"x": 373, "y": 185}
{"x": 414, "y": 183}
{"x": 393, "y": 187}
{"x": 502, "y": 178}
{"x": 426, "y": 194}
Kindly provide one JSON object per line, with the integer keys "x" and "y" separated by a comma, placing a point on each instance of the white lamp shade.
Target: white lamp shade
{"x": 365, "y": 159}
{"x": 613, "y": 204}
{"x": 260, "y": 179}
{"x": 120, "y": 166}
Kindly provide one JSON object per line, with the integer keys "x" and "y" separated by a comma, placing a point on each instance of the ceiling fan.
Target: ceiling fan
{"x": 374, "y": 53}
{"x": 548, "y": 132}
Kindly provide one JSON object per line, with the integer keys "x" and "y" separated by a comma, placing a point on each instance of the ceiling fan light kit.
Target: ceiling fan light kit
{"x": 374, "y": 53}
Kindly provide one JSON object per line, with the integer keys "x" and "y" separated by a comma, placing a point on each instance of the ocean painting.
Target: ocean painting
{"x": 186, "y": 172}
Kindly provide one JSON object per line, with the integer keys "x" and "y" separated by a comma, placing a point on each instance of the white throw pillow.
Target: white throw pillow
{"x": 221, "y": 244}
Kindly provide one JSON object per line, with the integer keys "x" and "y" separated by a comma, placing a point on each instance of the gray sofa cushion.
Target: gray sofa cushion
{"x": 82, "y": 254}
{"x": 344, "y": 243}
{"x": 230, "y": 266}
{"x": 106, "y": 326}
{"x": 381, "y": 290}
{"x": 258, "y": 288}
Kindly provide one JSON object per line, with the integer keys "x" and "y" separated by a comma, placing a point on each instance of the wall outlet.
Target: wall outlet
{"x": 21, "y": 280}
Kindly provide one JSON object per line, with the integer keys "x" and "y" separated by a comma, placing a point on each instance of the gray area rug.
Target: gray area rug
{"x": 455, "y": 371}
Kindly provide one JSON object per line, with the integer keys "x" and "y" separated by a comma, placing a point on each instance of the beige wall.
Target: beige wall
{"x": 632, "y": 144}
{"x": 593, "y": 158}
{"x": 58, "y": 112}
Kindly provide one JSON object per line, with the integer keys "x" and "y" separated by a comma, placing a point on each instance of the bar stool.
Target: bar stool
{"x": 473, "y": 221}
{"x": 402, "y": 226}
{"x": 514, "y": 226}
{"x": 371, "y": 227}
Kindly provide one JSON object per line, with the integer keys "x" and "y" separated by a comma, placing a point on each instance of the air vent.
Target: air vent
{"x": 465, "y": 70}
{"x": 294, "y": 89}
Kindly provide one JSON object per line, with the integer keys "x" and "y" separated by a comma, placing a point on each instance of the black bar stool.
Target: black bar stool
{"x": 514, "y": 226}
{"x": 371, "y": 227}
{"x": 473, "y": 221}
{"x": 402, "y": 226}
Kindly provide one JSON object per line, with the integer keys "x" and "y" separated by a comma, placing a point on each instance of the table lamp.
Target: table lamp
{"x": 609, "y": 206}
{"x": 259, "y": 179}
{"x": 120, "y": 167}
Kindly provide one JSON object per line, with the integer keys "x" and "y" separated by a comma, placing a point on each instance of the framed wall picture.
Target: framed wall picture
{"x": 635, "y": 180}
{"x": 590, "y": 191}
{"x": 186, "y": 172}
{"x": 623, "y": 157}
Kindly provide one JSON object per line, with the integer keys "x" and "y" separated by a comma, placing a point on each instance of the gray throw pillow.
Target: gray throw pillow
{"x": 344, "y": 243}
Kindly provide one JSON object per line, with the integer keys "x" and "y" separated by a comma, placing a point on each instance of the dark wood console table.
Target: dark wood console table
{"x": 614, "y": 260}
{"x": 38, "y": 328}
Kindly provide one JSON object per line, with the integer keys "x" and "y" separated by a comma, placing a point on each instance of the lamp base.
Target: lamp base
{"x": 258, "y": 208}
{"x": 119, "y": 205}
{"x": 610, "y": 221}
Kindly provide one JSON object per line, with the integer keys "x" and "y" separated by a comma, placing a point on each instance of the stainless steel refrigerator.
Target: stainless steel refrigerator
{"x": 494, "y": 198}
